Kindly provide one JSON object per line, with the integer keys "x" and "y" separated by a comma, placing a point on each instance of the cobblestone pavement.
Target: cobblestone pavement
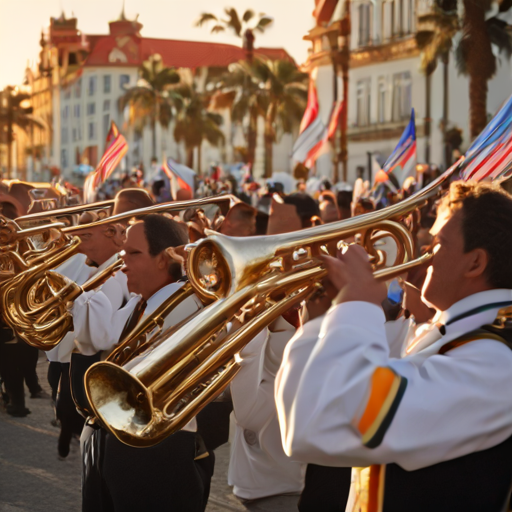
{"x": 33, "y": 479}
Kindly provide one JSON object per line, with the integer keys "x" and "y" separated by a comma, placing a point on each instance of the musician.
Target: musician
{"x": 258, "y": 466}
{"x": 438, "y": 420}
{"x": 176, "y": 473}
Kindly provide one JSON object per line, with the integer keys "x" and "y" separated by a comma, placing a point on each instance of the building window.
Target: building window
{"x": 107, "y": 83}
{"x": 67, "y": 93}
{"x": 106, "y": 125}
{"x": 402, "y": 96}
{"x": 74, "y": 134}
{"x": 382, "y": 100}
{"x": 78, "y": 88}
{"x": 91, "y": 109}
{"x": 365, "y": 24}
{"x": 64, "y": 136}
{"x": 410, "y": 16}
{"x": 63, "y": 158}
{"x": 363, "y": 103}
{"x": 124, "y": 80}
{"x": 92, "y": 131}
{"x": 106, "y": 105}
{"x": 76, "y": 111}
{"x": 92, "y": 85}
{"x": 65, "y": 112}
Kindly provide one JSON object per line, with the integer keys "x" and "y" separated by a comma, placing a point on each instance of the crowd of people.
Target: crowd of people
{"x": 408, "y": 379}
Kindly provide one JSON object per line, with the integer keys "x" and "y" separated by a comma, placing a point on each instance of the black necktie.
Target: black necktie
{"x": 133, "y": 319}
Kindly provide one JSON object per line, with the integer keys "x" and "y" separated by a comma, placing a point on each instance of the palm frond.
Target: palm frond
{"x": 264, "y": 23}
{"x": 205, "y": 17}
{"x": 500, "y": 35}
{"x": 233, "y": 21}
{"x": 217, "y": 28}
{"x": 248, "y": 15}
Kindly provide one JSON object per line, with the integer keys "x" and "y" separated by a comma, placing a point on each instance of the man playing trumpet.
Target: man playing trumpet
{"x": 436, "y": 423}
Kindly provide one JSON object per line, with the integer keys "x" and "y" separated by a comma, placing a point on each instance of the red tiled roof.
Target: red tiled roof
{"x": 175, "y": 53}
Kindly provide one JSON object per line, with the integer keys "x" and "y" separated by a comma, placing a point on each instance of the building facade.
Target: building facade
{"x": 385, "y": 82}
{"x": 80, "y": 78}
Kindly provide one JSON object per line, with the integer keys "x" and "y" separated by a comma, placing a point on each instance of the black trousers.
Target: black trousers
{"x": 325, "y": 489}
{"x": 18, "y": 363}
{"x": 53, "y": 376}
{"x": 71, "y": 422}
{"x": 165, "y": 477}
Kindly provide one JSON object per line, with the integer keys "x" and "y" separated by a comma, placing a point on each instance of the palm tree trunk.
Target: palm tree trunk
{"x": 269, "y": 139}
{"x": 428, "y": 95}
{"x": 481, "y": 62}
{"x": 190, "y": 157}
{"x": 200, "y": 159}
{"x": 252, "y": 134}
{"x": 153, "y": 128}
{"x": 446, "y": 107}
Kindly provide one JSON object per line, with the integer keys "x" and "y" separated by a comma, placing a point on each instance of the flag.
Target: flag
{"x": 312, "y": 129}
{"x": 403, "y": 159}
{"x": 322, "y": 147}
{"x": 115, "y": 149}
{"x": 179, "y": 177}
{"x": 490, "y": 155}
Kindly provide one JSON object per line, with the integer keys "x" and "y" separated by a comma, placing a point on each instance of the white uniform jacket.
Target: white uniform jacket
{"x": 102, "y": 326}
{"x": 258, "y": 466}
{"x": 75, "y": 269}
{"x": 342, "y": 400}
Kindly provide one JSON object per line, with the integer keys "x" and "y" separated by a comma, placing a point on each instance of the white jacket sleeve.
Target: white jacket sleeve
{"x": 98, "y": 317}
{"x": 342, "y": 401}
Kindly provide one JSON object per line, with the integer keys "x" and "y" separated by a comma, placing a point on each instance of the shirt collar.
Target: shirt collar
{"x": 484, "y": 304}
{"x": 159, "y": 296}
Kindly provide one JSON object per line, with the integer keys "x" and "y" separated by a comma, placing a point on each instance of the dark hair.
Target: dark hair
{"x": 486, "y": 224}
{"x": 162, "y": 232}
{"x": 305, "y": 205}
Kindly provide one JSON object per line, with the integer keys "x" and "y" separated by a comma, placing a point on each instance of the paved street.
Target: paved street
{"x": 32, "y": 479}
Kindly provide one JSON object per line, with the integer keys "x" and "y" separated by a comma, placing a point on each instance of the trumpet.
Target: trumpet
{"x": 36, "y": 299}
{"x": 249, "y": 282}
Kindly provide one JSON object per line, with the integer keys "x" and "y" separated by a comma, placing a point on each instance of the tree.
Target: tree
{"x": 281, "y": 96}
{"x": 243, "y": 27}
{"x": 150, "y": 101}
{"x": 435, "y": 40}
{"x": 15, "y": 110}
{"x": 194, "y": 123}
{"x": 237, "y": 91}
{"x": 482, "y": 30}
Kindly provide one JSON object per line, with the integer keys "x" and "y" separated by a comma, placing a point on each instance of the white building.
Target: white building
{"x": 89, "y": 74}
{"x": 385, "y": 81}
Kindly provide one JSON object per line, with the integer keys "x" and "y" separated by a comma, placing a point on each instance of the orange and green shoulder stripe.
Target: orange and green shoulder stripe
{"x": 386, "y": 391}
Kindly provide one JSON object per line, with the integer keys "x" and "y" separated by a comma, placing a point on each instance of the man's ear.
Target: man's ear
{"x": 162, "y": 261}
{"x": 479, "y": 259}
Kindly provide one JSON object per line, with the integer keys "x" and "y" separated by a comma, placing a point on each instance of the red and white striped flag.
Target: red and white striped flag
{"x": 180, "y": 176}
{"x": 115, "y": 149}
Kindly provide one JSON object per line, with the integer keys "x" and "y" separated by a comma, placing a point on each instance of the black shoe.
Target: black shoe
{"x": 17, "y": 411}
{"x": 40, "y": 394}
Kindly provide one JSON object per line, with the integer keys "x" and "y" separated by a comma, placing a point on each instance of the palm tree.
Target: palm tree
{"x": 150, "y": 100}
{"x": 237, "y": 91}
{"x": 194, "y": 123}
{"x": 435, "y": 40}
{"x": 15, "y": 110}
{"x": 475, "y": 56}
{"x": 282, "y": 96}
{"x": 243, "y": 27}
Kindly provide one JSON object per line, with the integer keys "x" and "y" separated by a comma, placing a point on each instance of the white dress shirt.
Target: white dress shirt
{"x": 75, "y": 269}
{"x": 453, "y": 404}
{"x": 258, "y": 466}
{"x": 93, "y": 310}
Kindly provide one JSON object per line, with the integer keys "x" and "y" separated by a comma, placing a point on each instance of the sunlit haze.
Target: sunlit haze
{"x": 21, "y": 22}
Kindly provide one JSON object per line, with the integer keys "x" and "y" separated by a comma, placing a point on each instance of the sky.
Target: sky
{"x": 21, "y": 22}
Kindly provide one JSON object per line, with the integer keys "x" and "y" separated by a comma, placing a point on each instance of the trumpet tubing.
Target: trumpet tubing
{"x": 249, "y": 282}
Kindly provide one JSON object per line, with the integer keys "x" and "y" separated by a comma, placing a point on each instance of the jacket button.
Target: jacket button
{"x": 250, "y": 437}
